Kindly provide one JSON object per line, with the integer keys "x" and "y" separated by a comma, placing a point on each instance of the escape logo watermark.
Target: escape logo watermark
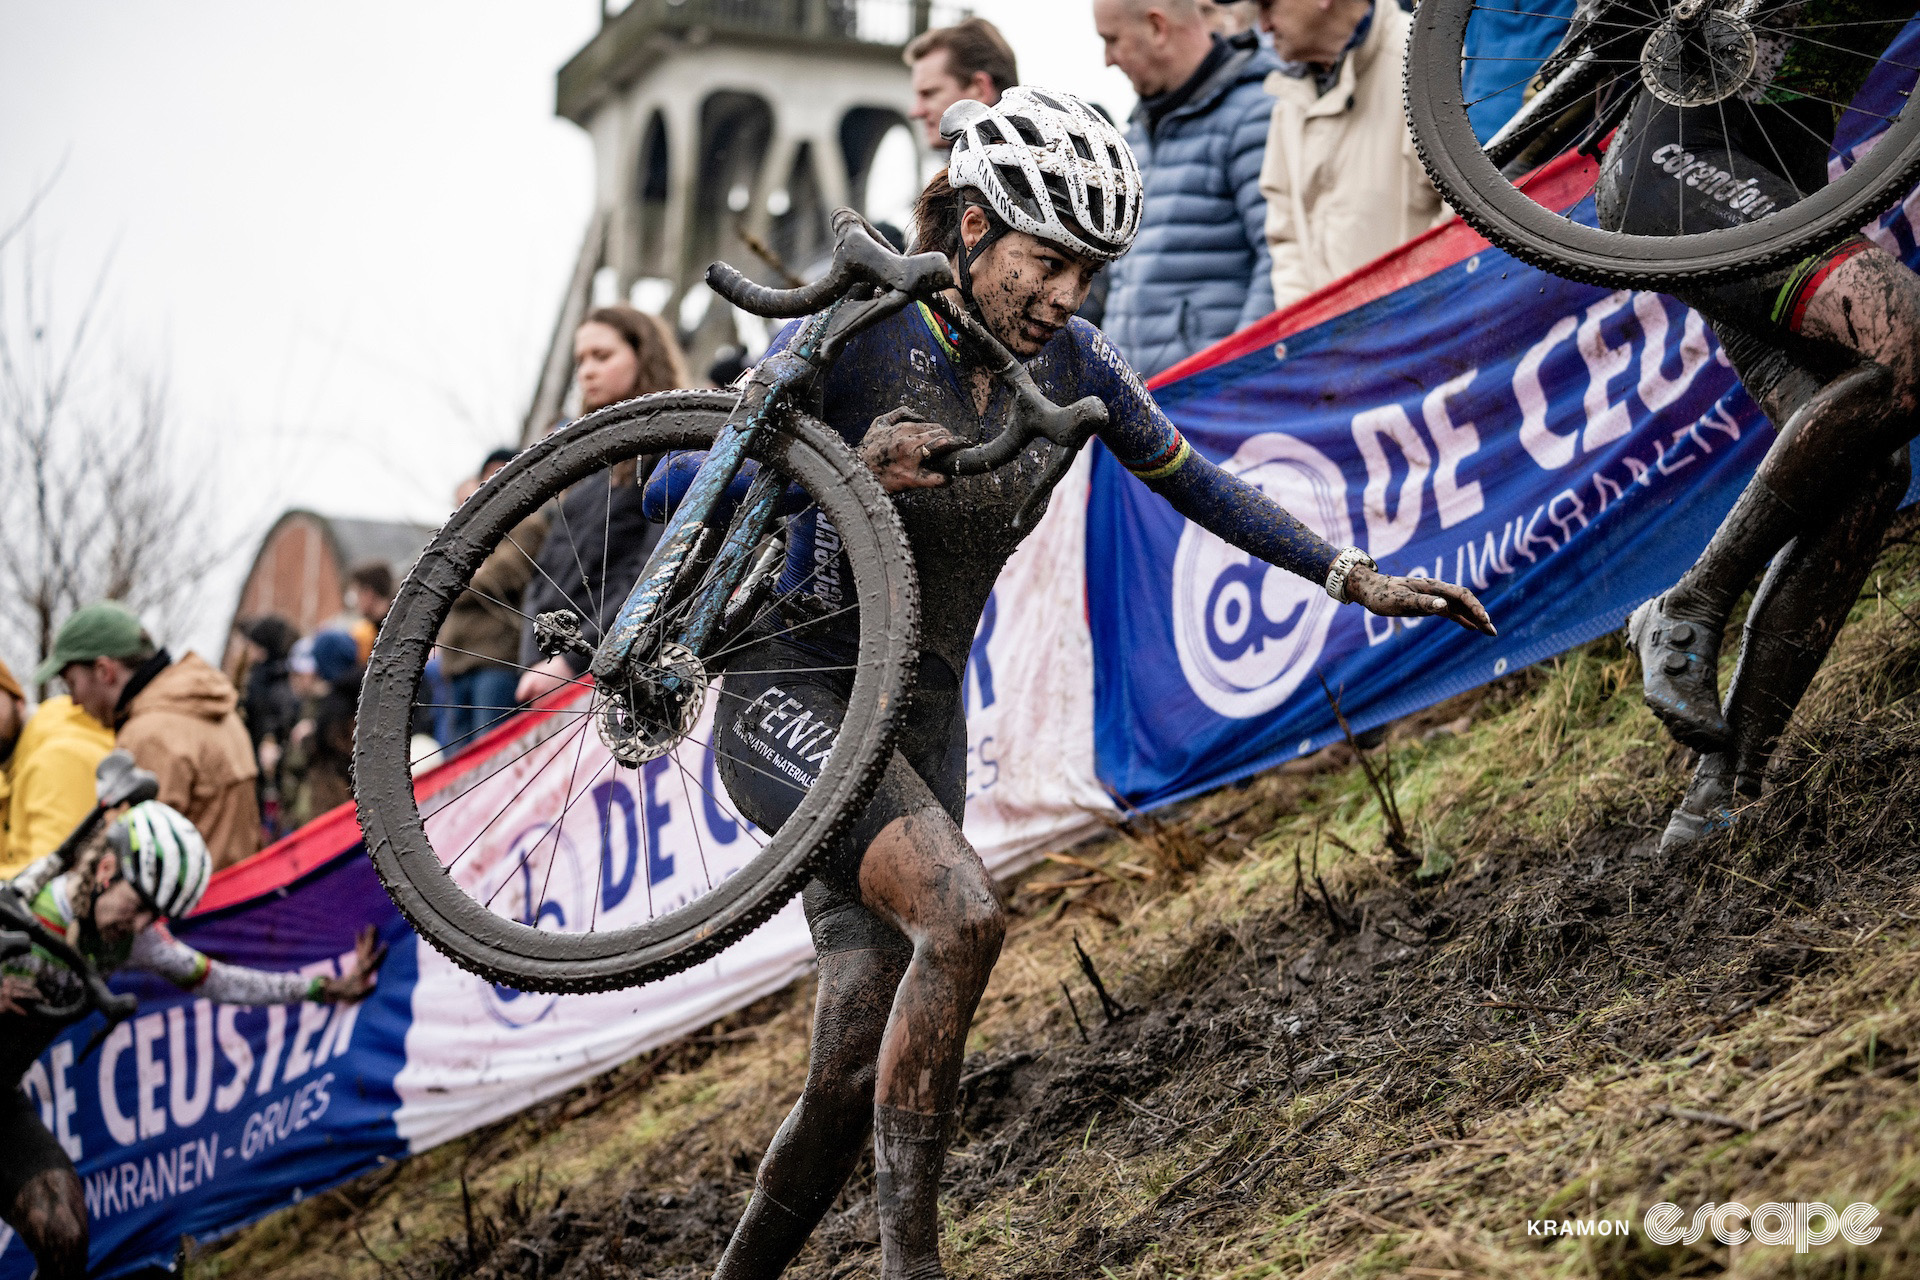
{"x": 1802, "y": 1224}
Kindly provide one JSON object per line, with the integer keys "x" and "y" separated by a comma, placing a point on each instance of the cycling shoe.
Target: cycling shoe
{"x": 1679, "y": 672}
{"x": 1710, "y": 805}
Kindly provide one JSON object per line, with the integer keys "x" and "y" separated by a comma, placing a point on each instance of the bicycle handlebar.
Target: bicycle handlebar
{"x": 21, "y": 931}
{"x": 859, "y": 257}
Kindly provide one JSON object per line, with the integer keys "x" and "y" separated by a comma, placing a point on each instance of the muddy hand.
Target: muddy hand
{"x": 1417, "y": 597}
{"x": 369, "y": 953}
{"x": 897, "y": 446}
{"x": 15, "y": 993}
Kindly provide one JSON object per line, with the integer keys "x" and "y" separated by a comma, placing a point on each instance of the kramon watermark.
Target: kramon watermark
{"x": 1803, "y": 1224}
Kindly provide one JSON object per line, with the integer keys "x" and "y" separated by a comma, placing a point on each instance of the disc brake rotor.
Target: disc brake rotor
{"x": 1696, "y": 58}
{"x": 647, "y": 718}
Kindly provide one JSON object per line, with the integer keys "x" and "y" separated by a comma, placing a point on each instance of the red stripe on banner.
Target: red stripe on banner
{"x": 284, "y": 861}
{"x": 1559, "y": 184}
{"x": 337, "y": 832}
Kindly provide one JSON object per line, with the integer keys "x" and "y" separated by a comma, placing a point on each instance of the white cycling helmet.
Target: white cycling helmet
{"x": 162, "y": 853}
{"x": 1049, "y": 165}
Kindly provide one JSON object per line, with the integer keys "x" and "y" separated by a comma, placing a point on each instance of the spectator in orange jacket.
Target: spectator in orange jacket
{"x": 176, "y": 717}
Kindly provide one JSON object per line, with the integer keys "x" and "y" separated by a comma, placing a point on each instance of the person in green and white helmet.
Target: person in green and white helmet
{"x": 149, "y": 865}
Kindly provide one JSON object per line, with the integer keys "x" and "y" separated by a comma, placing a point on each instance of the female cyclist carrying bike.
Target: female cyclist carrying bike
{"x": 1041, "y": 193}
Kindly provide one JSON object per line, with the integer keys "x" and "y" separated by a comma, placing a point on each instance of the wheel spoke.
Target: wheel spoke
{"x": 560, "y": 738}
{"x": 694, "y": 822}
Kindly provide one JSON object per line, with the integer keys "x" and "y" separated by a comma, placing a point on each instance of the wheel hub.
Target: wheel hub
{"x": 647, "y": 718}
{"x": 1699, "y": 56}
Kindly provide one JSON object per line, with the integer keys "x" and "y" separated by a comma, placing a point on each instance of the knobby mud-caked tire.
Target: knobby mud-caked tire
{"x": 506, "y": 951}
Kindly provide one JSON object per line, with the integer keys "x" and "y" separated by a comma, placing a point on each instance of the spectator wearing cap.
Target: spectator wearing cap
{"x": 968, "y": 61}
{"x": 480, "y": 640}
{"x": 325, "y": 670}
{"x": 177, "y": 717}
{"x": 1342, "y": 179}
{"x": 56, "y": 753}
{"x": 1198, "y": 270}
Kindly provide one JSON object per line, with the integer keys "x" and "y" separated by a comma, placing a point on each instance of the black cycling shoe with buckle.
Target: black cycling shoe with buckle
{"x": 1679, "y": 672}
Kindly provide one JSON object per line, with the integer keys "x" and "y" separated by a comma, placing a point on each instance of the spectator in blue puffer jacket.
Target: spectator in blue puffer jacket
{"x": 1199, "y": 269}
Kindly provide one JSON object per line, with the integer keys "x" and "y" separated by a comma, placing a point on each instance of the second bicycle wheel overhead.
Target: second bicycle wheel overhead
{"x": 592, "y": 842}
{"x": 1716, "y": 121}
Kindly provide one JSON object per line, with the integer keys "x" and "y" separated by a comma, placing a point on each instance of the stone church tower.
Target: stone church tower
{"x": 723, "y": 129}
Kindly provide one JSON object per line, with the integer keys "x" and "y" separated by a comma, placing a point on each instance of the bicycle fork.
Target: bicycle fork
{"x": 733, "y": 568}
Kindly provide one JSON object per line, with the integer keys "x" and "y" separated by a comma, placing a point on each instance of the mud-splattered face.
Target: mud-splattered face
{"x": 1027, "y": 289}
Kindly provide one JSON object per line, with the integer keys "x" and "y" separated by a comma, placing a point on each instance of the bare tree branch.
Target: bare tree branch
{"x": 92, "y": 508}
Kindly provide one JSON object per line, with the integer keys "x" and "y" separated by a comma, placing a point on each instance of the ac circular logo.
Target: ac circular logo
{"x": 1246, "y": 633}
{"x": 537, "y": 884}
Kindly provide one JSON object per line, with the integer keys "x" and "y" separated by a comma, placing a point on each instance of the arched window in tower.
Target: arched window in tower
{"x": 653, "y": 177}
{"x": 863, "y": 130}
{"x": 802, "y": 237}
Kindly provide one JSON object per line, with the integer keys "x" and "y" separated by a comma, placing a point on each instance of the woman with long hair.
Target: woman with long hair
{"x": 1042, "y": 193}
{"x": 598, "y": 540}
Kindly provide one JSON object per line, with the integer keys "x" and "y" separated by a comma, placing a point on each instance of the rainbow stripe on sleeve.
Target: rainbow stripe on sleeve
{"x": 1164, "y": 463}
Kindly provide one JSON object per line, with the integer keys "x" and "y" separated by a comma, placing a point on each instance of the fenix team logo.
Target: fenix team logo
{"x": 1248, "y": 634}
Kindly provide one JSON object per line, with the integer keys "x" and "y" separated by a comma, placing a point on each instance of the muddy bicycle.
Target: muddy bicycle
{"x": 495, "y": 880}
{"x": 1778, "y": 77}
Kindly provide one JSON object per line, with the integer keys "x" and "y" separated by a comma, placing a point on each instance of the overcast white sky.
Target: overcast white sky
{"x": 340, "y": 230}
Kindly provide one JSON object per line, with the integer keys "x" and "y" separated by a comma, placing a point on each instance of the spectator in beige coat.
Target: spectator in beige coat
{"x": 1342, "y": 180}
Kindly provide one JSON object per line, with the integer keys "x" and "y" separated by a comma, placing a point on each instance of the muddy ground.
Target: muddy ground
{"x": 1434, "y": 1000}
{"x": 1384, "y": 1067}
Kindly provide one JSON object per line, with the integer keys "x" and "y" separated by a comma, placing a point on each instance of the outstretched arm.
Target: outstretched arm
{"x": 158, "y": 951}
{"x": 1152, "y": 448}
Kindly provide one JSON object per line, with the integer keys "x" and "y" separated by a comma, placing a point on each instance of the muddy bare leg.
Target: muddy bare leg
{"x": 1796, "y": 613}
{"x": 1832, "y": 442}
{"x": 821, "y": 1140}
{"x": 922, "y": 876}
{"x": 50, "y": 1213}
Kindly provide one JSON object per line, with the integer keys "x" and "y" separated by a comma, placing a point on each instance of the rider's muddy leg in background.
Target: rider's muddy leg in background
{"x": 40, "y": 1194}
{"x": 1811, "y": 586}
{"x": 820, "y": 1142}
{"x": 1796, "y": 612}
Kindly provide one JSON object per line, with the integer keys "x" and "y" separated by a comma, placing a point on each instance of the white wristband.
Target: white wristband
{"x": 1343, "y": 565}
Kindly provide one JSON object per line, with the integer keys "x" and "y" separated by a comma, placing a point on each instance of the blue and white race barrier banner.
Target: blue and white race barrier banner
{"x": 1564, "y": 450}
{"x": 1566, "y": 466}
{"x": 195, "y": 1119}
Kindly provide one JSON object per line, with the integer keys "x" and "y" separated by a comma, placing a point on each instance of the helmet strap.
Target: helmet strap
{"x": 996, "y": 228}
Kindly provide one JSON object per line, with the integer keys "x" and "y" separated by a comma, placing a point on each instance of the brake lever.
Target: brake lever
{"x": 860, "y": 256}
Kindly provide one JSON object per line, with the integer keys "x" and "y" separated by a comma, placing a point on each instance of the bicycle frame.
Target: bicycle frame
{"x": 867, "y": 284}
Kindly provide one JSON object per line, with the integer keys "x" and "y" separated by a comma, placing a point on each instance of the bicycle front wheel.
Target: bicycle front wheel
{"x": 1767, "y": 75}
{"x": 563, "y": 847}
